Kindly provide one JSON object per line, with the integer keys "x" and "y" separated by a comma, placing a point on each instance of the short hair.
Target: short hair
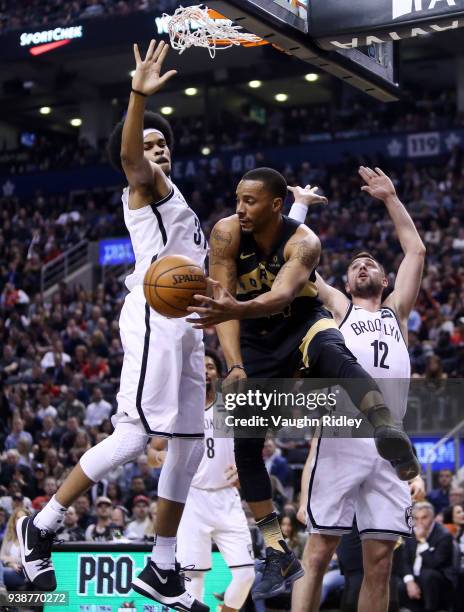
{"x": 150, "y": 120}
{"x": 273, "y": 181}
{"x": 423, "y": 505}
{"x": 369, "y": 256}
{"x": 217, "y": 361}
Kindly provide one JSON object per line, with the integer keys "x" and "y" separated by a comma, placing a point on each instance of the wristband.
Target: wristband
{"x": 140, "y": 93}
{"x": 299, "y": 211}
{"x": 240, "y": 367}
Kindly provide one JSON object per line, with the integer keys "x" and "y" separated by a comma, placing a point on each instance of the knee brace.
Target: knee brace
{"x": 182, "y": 461}
{"x": 252, "y": 474}
{"x": 125, "y": 444}
{"x": 237, "y": 591}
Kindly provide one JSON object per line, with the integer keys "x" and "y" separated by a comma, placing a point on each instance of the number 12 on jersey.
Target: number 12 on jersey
{"x": 380, "y": 353}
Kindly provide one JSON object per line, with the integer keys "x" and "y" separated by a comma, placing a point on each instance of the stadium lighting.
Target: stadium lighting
{"x": 191, "y": 91}
{"x": 254, "y": 84}
{"x": 166, "y": 110}
{"x": 205, "y": 151}
{"x": 281, "y": 97}
{"x": 311, "y": 77}
{"x": 76, "y": 122}
{"x": 45, "y": 110}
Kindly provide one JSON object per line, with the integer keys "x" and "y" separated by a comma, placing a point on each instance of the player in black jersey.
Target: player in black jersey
{"x": 273, "y": 325}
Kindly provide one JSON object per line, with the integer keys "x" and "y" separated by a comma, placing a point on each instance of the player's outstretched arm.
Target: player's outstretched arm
{"x": 143, "y": 176}
{"x": 409, "y": 276}
{"x": 332, "y": 298}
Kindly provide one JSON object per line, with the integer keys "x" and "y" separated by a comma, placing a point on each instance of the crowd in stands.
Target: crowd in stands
{"x": 47, "y": 13}
{"x": 61, "y": 359}
{"x": 243, "y": 129}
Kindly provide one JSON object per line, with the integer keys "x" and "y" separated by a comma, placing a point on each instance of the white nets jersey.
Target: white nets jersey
{"x": 376, "y": 340}
{"x": 219, "y": 452}
{"x": 167, "y": 227}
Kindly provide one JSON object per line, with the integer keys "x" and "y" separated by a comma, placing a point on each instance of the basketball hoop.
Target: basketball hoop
{"x": 199, "y": 26}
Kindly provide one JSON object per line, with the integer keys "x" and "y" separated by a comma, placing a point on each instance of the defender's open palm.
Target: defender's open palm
{"x": 378, "y": 184}
{"x": 147, "y": 78}
{"x": 308, "y": 195}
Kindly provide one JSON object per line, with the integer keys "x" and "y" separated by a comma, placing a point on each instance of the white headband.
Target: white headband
{"x": 152, "y": 131}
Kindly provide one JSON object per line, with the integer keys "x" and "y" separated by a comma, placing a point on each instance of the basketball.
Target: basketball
{"x": 170, "y": 284}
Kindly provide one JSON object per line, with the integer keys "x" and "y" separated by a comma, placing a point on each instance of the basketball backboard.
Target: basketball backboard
{"x": 287, "y": 25}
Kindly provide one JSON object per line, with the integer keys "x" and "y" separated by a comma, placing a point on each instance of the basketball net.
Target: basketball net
{"x": 199, "y": 26}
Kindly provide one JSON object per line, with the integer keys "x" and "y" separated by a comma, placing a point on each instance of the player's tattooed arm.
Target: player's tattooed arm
{"x": 224, "y": 244}
{"x": 223, "y": 252}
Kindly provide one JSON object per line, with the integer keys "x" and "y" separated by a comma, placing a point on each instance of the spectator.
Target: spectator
{"x": 70, "y": 530}
{"x": 17, "y": 433}
{"x": 98, "y": 410}
{"x": 137, "y": 528}
{"x": 439, "y": 497}
{"x": 50, "y": 487}
{"x": 82, "y": 507}
{"x": 294, "y": 538}
{"x": 428, "y": 572}
{"x": 114, "y": 493}
{"x": 45, "y": 408}
{"x": 104, "y": 530}
{"x": 70, "y": 406}
{"x": 10, "y": 555}
{"x": 3, "y": 521}
{"x": 55, "y": 358}
{"x": 453, "y": 518}
{"x": 276, "y": 465}
{"x": 119, "y": 517}
{"x": 137, "y": 487}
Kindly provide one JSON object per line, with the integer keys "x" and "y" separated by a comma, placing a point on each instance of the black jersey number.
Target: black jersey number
{"x": 380, "y": 351}
{"x": 198, "y": 236}
{"x": 210, "y": 448}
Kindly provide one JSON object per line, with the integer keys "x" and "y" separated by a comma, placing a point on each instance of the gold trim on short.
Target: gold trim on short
{"x": 319, "y": 326}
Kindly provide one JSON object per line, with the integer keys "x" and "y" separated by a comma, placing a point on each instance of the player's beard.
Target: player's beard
{"x": 367, "y": 289}
{"x": 209, "y": 386}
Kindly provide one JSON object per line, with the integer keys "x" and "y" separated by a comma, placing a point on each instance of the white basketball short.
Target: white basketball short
{"x": 162, "y": 377}
{"x": 214, "y": 516}
{"x": 350, "y": 479}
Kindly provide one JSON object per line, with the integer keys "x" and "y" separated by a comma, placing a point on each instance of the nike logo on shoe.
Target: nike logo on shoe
{"x": 27, "y": 551}
{"x": 285, "y": 571}
{"x": 160, "y": 578}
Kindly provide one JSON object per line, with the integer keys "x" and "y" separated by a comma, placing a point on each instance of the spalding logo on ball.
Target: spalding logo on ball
{"x": 170, "y": 284}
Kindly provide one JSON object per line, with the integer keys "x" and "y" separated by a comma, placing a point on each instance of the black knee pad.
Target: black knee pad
{"x": 252, "y": 474}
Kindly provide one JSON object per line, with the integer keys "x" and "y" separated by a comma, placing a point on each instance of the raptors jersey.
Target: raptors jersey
{"x": 219, "y": 452}
{"x": 376, "y": 340}
{"x": 167, "y": 227}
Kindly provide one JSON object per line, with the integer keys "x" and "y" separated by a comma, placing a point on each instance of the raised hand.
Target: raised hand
{"x": 378, "y": 184}
{"x": 307, "y": 195}
{"x": 147, "y": 78}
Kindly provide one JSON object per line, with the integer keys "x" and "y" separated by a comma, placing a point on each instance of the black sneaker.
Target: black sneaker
{"x": 167, "y": 587}
{"x": 279, "y": 571}
{"x": 36, "y": 552}
{"x": 394, "y": 445}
